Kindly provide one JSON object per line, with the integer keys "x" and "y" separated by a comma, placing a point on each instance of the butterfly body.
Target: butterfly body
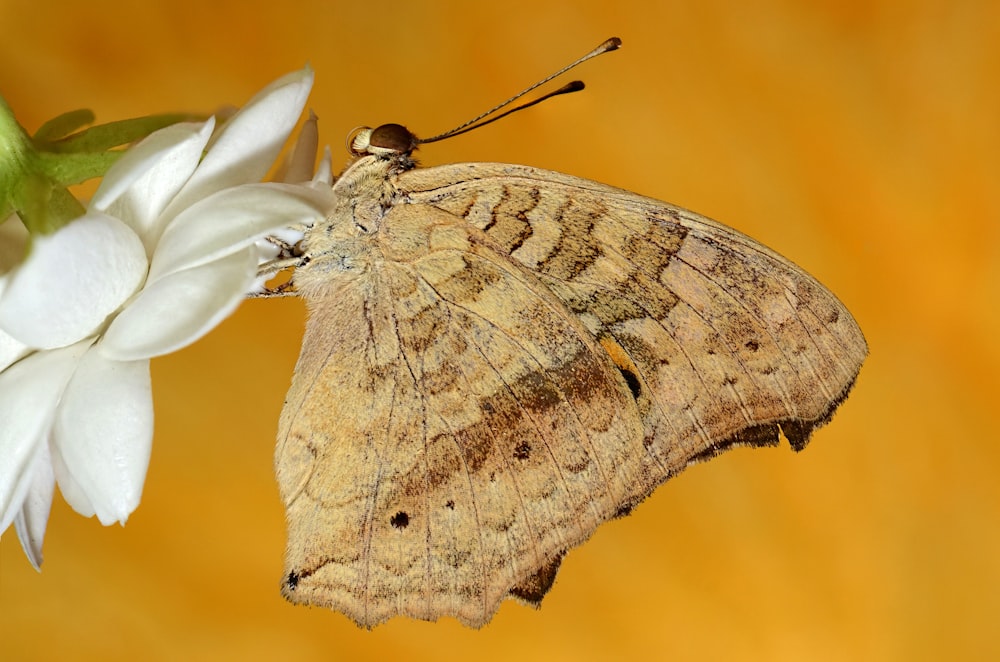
{"x": 499, "y": 358}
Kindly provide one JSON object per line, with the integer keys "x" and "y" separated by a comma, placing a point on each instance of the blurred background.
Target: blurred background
{"x": 860, "y": 139}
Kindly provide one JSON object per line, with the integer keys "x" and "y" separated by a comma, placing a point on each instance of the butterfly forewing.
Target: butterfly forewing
{"x": 717, "y": 334}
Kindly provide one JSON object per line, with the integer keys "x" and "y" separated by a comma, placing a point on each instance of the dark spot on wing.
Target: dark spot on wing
{"x": 534, "y": 588}
{"x": 624, "y": 510}
{"x": 632, "y": 381}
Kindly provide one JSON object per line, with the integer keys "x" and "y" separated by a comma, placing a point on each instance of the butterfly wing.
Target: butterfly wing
{"x": 721, "y": 340}
{"x": 526, "y": 356}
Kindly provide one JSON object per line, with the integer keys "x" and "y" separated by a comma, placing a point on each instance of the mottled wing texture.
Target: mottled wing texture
{"x": 518, "y": 357}
{"x": 720, "y": 339}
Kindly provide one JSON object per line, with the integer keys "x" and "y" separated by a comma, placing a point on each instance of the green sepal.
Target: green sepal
{"x": 65, "y": 124}
{"x": 43, "y": 205}
{"x": 73, "y": 168}
{"x": 104, "y": 137}
{"x": 35, "y": 171}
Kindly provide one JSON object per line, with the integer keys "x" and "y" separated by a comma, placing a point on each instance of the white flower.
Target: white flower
{"x": 166, "y": 250}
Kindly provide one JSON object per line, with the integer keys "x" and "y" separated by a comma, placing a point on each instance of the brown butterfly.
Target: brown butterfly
{"x": 499, "y": 358}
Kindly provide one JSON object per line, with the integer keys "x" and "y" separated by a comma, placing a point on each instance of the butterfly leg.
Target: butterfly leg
{"x": 286, "y": 289}
{"x": 271, "y": 268}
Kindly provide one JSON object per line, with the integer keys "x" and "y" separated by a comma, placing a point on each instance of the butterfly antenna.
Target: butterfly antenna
{"x": 575, "y": 86}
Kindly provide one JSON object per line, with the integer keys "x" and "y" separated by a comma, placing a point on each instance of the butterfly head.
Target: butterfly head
{"x": 388, "y": 141}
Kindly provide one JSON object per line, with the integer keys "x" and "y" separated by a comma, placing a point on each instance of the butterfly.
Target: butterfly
{"x": 499, "y": 358}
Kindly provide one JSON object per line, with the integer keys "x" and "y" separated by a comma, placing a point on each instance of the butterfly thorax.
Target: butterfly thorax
{"x": 346, "y": 243}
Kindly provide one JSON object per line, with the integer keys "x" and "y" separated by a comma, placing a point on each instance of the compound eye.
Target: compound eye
{"x": 393, "y": 137}
{"x": 386, "y": 140}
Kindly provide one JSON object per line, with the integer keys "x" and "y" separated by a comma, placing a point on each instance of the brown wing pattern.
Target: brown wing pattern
{"x": 721, "y": 338}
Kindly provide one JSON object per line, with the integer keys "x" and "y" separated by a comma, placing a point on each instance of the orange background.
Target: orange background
{"x": 861, "y": 139}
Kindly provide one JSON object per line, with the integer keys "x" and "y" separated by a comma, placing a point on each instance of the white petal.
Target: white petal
{"x": 10, "y": 348}
{"x": 29, "y": 392}
{"x": 301, "y": 163}
{"x": 71, "y": 281}
{"x": 246, "y": 146}
{"x": 146, "y": 178}
{"x": 324, "y": 172}
{"x": 104, "y": 433}
{"x": 233, "y": 219}
{"x": 33, "y": 517}
{"x": 71, "y": 491}
{"x": 178, "y": 309}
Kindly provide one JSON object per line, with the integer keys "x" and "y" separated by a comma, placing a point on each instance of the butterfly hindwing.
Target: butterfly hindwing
{"x": 477, "y": 431}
